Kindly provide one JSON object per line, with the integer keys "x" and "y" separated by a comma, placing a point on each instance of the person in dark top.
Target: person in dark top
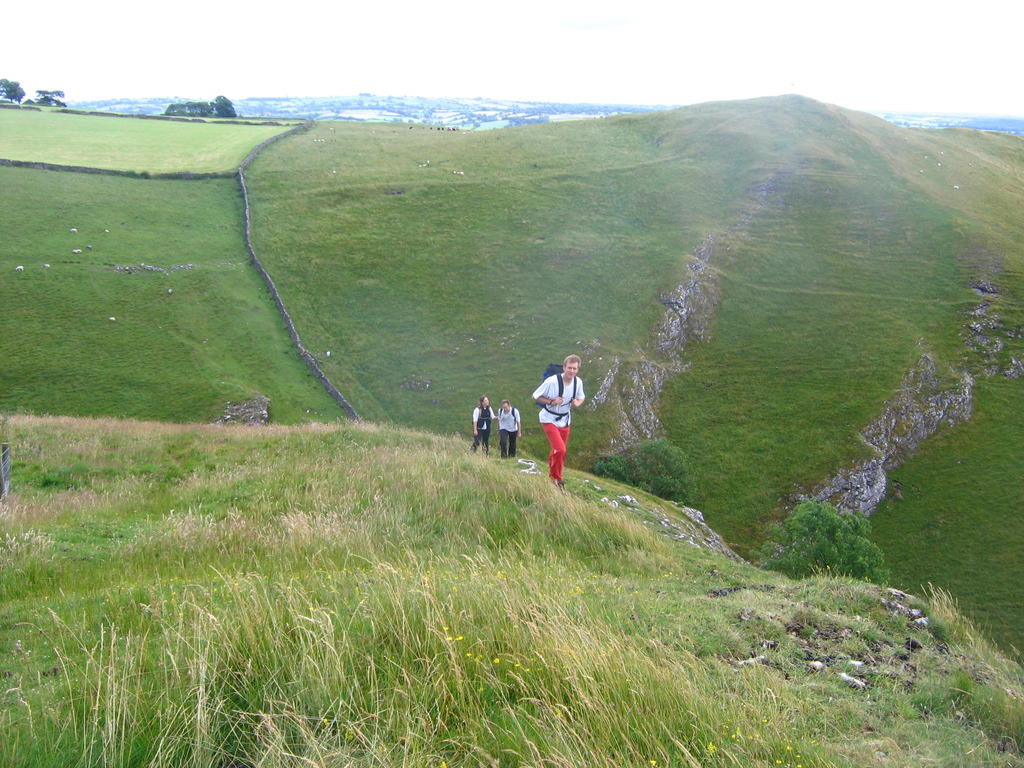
{"x": 483, "y": 415}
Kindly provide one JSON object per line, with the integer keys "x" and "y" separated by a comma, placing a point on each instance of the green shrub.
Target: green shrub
{"x": 816, "y": 537}
{"x": 656, "y": 466}
{"x": 612, "y": 467}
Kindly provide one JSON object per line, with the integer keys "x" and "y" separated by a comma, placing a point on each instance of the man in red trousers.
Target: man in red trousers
{"x": 557, "y": 395}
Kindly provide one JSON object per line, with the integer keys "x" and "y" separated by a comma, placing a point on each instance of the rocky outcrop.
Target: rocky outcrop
{"x": 689, "y": 310}
{"x": 986, "y": 335}
{"x": 255, "y": 410}
{"x": 685, "y": 525}
{"x": 925, "y": 402}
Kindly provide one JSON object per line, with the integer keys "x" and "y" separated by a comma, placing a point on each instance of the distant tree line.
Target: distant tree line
{"x": 219, "y": 107}
{"x": 11, "y": 90}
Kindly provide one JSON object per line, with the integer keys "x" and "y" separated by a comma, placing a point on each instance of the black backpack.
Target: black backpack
{"x": 552, "y": 370}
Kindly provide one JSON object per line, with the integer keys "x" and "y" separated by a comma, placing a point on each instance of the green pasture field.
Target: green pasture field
{"x": 184, "y": 340}
{"x": 125, "y": 144}
{"x": 361, "y": 595}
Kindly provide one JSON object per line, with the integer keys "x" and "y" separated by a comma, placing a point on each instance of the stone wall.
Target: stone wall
{"x": 308, "y": 358}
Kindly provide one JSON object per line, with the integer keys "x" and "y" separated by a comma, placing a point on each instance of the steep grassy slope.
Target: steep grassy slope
{"x": 152, "y": 146}
{"x": 845, "y": 248}
{"x": 360, "y": 595}
{"x": 955, "y": 519}
{"x": 551, "y": 239}
{"x": 862, "y": 263}
{"x": 188, "y": 336}
{"x": 436, "y": 266}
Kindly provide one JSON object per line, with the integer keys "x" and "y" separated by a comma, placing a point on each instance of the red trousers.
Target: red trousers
{"x": 558, "y": 438}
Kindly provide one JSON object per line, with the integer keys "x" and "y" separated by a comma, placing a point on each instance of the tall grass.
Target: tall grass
{"x": 358, "y": 595}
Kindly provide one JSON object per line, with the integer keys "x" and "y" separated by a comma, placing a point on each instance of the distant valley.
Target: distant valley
{"x": 472, "y": 113}
{"x": 486, "y": 113}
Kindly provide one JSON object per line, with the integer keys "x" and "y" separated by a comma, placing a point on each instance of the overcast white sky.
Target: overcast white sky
{"x": 903, "y": 55}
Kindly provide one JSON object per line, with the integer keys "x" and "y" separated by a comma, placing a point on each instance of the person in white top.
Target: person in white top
{"x": 483, "y": 415}
{"x": 509, "y": 428}
{"x": 558, "y": 395}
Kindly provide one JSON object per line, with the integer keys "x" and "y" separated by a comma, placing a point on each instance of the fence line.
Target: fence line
{"x": 310, "y": 361}
{"x": 40, "y": 166}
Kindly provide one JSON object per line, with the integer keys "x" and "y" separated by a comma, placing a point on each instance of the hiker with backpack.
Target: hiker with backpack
{"x": 483, "y": 415}
{"x": 509, "y": 428}
{"x": 557, "y": 395}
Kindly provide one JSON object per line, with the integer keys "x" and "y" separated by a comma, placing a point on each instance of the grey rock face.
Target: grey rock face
{"x": 688, "y": 526}
{"x": 689, "y": 310}
{"x": 924, "y": 403}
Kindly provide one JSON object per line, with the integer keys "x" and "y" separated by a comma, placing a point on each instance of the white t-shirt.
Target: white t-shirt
{"x": 508, "y": 421}
{"x": 549, "y": 389}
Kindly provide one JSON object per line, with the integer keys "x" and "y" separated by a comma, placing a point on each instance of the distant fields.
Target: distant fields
{"x": 151, "y": 146}
{"x": 183, "y": 341}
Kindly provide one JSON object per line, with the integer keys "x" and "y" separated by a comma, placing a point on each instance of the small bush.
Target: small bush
{"x": 656, "y": 466}
{"x": 817, "y": 538}
{"x": 612, "y": 467}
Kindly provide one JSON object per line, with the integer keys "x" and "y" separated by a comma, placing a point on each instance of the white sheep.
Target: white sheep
{"x": 111, "y": 319}
{"x": 19, "y": 268}
{"x": 76, "y": 250}
{"x": 73, "y": 229}
{"x": 46, "y": 265}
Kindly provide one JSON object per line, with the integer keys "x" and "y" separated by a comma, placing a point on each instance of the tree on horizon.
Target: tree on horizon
{"x": 12, "y": 90}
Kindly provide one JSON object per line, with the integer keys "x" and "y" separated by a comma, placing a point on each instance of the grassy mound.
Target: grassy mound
{"x": 361, "y": 595}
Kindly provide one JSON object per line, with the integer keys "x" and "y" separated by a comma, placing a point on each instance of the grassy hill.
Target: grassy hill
{"x": 360, "y": 595}
{"x": 435, "y": 266}
{"x": 439, "y": 266}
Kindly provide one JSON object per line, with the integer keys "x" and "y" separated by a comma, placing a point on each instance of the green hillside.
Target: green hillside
{"x": 424, "y": 268}
{"x": 361, "y": 595}
{"x": 158, "y": 315}
{"x": 433, "y": 287}
{"x": 150, "y": 146}
{"x": 438, "y": 266}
